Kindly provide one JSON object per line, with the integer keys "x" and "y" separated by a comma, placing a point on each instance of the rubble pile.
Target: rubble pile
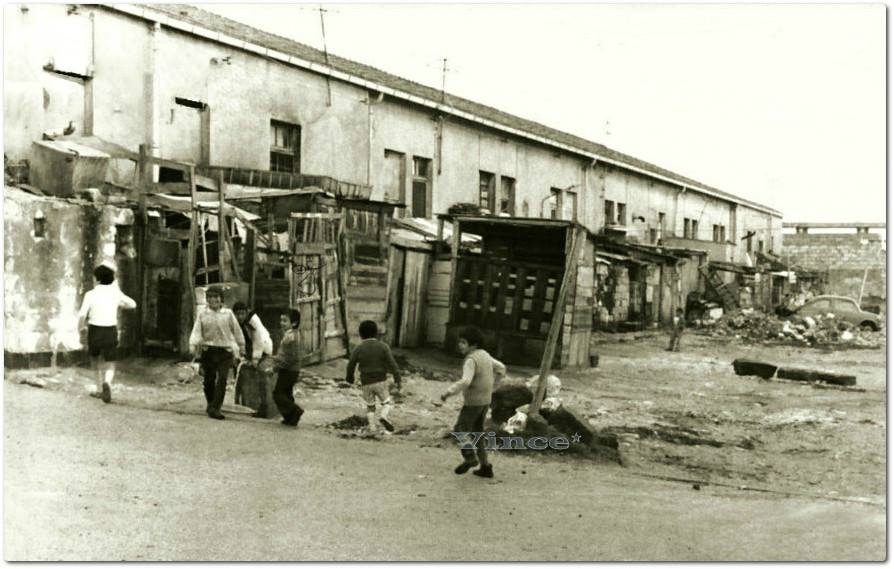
{"x": 823, "y": 330}
{"x": 411, "y": 370}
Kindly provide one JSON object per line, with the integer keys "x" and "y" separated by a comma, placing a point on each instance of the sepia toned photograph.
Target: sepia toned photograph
{"x": 445, "y": 282}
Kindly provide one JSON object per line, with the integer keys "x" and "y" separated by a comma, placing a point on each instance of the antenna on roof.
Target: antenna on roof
{"x": 444, "y": 81}
{"x": 325, "y": 54}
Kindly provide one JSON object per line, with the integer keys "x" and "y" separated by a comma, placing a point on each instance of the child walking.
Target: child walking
{"x": 216, "y": 338}
{"x": 99, "y": 318}
{"x": 677, "y": 332}
{"x": 375, "y": 360}
{"x": 481, "y": 373}
{"x": 287, "y": 363}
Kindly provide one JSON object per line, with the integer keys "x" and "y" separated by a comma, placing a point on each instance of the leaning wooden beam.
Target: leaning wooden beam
{"x": 143, "y": 169}
{"x": 558, "y": 312}
{"x": 191, "y": 249}
{"x": 223, "y": 241}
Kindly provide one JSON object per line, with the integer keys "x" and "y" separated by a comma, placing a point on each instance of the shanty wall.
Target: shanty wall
{"x": 45, "y": 278}
{"x": 846, "y": 257}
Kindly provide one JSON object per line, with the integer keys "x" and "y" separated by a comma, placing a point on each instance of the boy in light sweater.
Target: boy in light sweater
{"x": 481, "y": 374}
{"x": 375, "y": 360}
{"x": 216, "y": 338}
{"x": 98, "y": 317}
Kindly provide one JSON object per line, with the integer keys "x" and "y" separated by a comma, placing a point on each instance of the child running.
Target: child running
{"x": 99, "y": 317}
{"x": 375, "y": 360}
{"x": 481, "y": 373}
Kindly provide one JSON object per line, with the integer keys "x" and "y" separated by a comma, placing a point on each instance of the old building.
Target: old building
{"x": 196, "y": 87}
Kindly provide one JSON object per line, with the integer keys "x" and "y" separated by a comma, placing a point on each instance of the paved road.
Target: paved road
{"x": 86, "y": 481}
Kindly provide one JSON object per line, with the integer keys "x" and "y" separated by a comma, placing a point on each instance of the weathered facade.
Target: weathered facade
{"x": 198, "y": 88}
{"x": 201, "y": 88}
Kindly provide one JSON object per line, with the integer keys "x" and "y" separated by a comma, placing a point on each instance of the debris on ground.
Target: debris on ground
{"x": 823, "y": 330}
{"x": 317, "y": 382}
{"x": 411, "y": 370}
{"x": 39, "y": 383}
{"x": 350, "y": 423}
{"x": 767, "y": 370}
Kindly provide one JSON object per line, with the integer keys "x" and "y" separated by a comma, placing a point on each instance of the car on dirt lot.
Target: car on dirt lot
{"x": 842, "y": 307}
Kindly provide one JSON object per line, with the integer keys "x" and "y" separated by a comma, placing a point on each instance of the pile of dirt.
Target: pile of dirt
{"x": 318, "y": 382}
{"x": 351, "y": 423}
{"x": 820, "y": 331}
{"x": 411, "y": 370}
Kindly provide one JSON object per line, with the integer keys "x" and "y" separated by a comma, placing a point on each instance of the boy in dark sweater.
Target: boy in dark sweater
{"x": 375, "y": 360}
{"x": 677, "y": 332}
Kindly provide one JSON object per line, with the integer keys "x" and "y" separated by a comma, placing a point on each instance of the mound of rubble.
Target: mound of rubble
{"x": 824, "y": 330}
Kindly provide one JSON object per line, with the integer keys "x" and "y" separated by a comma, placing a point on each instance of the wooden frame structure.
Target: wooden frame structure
{"x": 526, "y": 288}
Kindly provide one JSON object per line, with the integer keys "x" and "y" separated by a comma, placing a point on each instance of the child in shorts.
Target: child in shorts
{"x": 375, "y": 360}
{"x": 98, "y": 317}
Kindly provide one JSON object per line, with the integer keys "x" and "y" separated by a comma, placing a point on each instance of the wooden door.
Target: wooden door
{"x": 415, "y": 284}
{"x": 316, "y": 287}
{"x": 395, "y": 295}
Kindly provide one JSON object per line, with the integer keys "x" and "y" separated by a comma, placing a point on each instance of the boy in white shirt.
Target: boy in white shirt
{"x": 98, "y": 317}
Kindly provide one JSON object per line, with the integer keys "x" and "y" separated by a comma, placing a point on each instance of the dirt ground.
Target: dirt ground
{"x": 681, "y": 416}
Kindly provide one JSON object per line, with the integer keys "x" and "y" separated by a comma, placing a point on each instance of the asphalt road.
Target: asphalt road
{"x": 85, "y": 481}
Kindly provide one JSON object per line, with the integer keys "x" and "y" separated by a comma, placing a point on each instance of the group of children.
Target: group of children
{"x": 221, "y": 336}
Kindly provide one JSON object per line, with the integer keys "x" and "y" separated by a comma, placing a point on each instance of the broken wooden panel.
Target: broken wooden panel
{"x": 438, "y": 307}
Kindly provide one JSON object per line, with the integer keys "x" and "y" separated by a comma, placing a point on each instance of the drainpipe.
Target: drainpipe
{"x": 88, "y": 82}
{"x": 152, "y": 105}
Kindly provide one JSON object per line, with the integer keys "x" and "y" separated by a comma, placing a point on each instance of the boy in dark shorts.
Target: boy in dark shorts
{"x": 99, "y": 318}
{"x": 481, "y": 374}
{"x": 375, "y": 360}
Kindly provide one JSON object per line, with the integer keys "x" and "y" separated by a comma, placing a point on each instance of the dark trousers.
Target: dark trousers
{"x": 283, "y": 396}
{"x": 216, "y": 365}
{"x": 471, "y": 420}
{"x": 674, "y": 345}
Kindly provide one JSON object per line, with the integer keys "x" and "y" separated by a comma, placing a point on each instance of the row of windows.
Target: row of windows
{"x": 285, "y": 156}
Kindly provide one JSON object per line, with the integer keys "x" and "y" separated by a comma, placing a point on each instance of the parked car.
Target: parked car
{"x": 842, "y": 307}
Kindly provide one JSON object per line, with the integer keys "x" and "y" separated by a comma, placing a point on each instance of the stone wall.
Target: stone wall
{"x": 843, "y": 259}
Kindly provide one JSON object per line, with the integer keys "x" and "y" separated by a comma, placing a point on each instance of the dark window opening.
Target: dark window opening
{"x": 40, "y": 225}
{"x": 609, "y": 212}
{"x": 421, "y": 186}
{"x": 505, "y": 202}
{"x": 485, "y": 189}
{"x": 622, "y": 214}
{"x": 285, "y": 147}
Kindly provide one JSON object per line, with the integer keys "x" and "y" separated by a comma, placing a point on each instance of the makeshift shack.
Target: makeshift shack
{"x": 510, "y": 284}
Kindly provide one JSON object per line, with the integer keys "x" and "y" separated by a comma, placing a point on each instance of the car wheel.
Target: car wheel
{"x": 868, "y": 326}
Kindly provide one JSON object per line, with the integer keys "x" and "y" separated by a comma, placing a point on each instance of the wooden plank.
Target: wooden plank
{"x": 500, "y": 319}
{"x": 556, "y": 324}
{"x": 521, "y": 283}
{"x": 535, "y": 317}
{"x": 193, "y": 227}
{"x": 472, "y": 297}
{"x": 329, "y": 216}
{"x": 486, "y": 295}
{"x": 342, "y": 284}
{"x": 454, "y": 255}
{"x": 249, "y": 264}
{"x": 222, "y": 241}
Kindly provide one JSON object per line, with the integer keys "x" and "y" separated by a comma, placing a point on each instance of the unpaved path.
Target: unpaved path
{"x": 85, "y": 481}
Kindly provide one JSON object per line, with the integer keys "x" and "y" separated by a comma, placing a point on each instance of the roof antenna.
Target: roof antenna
{"x": 444, "y": 70}
{"x": 325, "y": 54}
